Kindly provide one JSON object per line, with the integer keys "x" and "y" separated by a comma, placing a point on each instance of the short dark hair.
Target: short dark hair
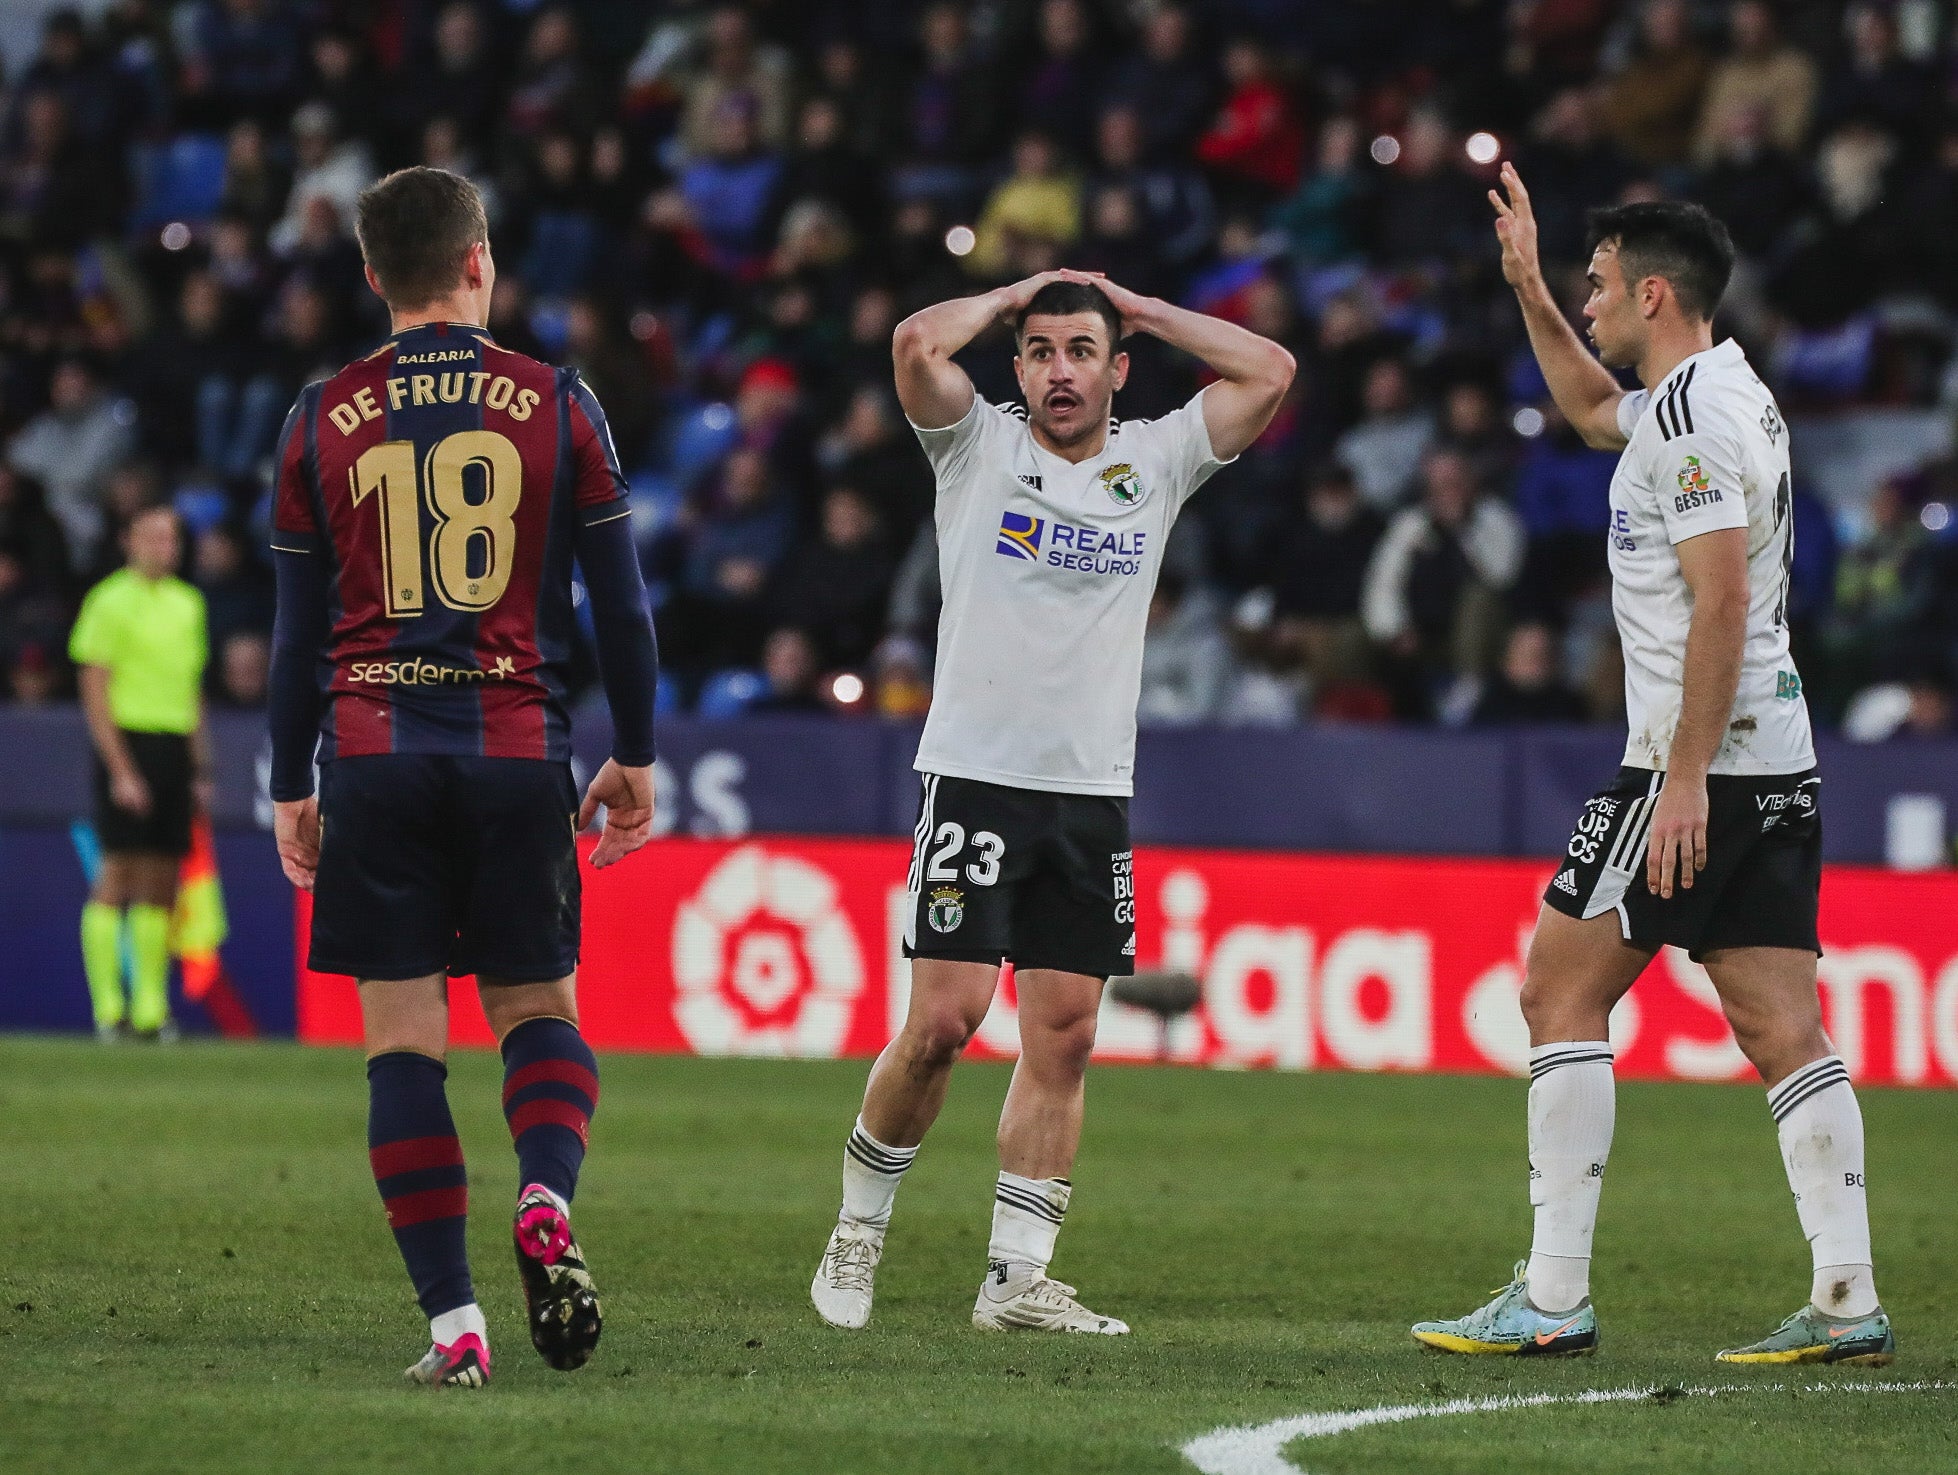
{"x": 416, "y": 227}
{"x": 1061, "y": 299}
{"x": 1673, "y": 239}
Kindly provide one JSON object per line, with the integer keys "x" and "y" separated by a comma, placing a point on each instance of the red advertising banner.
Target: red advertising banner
{"x": 792, "y": 947}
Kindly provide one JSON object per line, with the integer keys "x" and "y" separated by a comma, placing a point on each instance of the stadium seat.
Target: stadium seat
{"x": 700, "y": 437}
{"x": 730, "y": 693}
{"x": 179, "y": 180}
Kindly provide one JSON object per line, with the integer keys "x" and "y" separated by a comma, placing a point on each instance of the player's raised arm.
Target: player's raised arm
{"x": 934, "y": 391}
{"x": 1583, "y": 388}
{"x": 1253, "y": 373}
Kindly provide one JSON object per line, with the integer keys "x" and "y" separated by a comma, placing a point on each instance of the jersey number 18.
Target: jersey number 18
{"x": 463, "y": 529}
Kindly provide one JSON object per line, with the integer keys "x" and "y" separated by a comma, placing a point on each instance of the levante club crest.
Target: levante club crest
{"x": 1122, "y": 484}
{"x": 947, "y": 909}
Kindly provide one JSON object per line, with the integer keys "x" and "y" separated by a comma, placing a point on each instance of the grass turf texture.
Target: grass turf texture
{"x": 212, "y": 1286}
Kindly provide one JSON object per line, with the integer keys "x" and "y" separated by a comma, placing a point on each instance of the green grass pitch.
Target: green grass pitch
{"x": 196, "y": 1276}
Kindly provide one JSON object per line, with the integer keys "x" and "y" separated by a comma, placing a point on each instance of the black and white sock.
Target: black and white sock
{"x": 1572, "y": 1111}
{"x": 871, "y": 1174}
{"x": 1821, "y": 1131}
{"x": 1027, "y": 1215}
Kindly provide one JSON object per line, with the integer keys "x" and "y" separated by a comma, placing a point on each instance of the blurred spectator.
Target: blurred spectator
{"x": 1886, "y": 593}
{"x": 1753, "y": 185}
{"x": 1168, "y": 83}
{"x": 331, "y": 169}
{"x": 52, "y": 187}
{"x": 792, "y": 667}
{"x": 742, "y": 529}
{"x": 730, "y": 188}
{"x": 736, "y": 73}
{"x": 1651, "y": 106}
{"x": 1037, "y": 202}
{"x": 1060, "y": 83}
{"x": 903, "y": 679}
{"x": 1572, "y": 167}
{"x": 256, "y": 182}
{"x": 1433, "y": 593}
{"x": 1318, "y": 575}
{"x": 459, "y": 80}
{"x": 71, "y": 447}
{"x": 1324, "y": 220}
{"x": 1430, "y": 212}
{"x": 950, "y": 110}
{"x": 1529, "y": 687}
{"x": 1172, "y": 205}
{"x": 870, "y": 451}
{"x": 244, "y": 667}
{"x": 1256, "y": 146}
{"x": 30, "y": 536}
{"x": 551, "y": 88}
{"x": 236, "y": 586}
{"x": 1874, "y": 83}
{"x": 242, "y": 59}
{"x": 1383, "y": 451}
{"x": 1186, "y": 656}
{"x": 1759, "y": 74}
{"x": 835, "y": 589}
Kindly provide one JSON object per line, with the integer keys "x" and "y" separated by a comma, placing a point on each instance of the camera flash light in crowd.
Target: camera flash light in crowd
{"x": 1385, "y": 149}
{"x": 1528, "y": 422}
{"x": 1482, "y": 148}
{"x": 960, "y": 240}
{"x": 176, "y": 236}
{"x": 1936, "y": 517}
{"x": 847, "y": 689}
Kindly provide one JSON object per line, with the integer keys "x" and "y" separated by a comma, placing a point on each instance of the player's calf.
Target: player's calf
{"x": 550, "y": 1090}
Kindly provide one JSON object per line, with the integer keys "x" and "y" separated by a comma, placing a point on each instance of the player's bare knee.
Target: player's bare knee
{"x": 1060, "y": 1051}
{"x": 936, "y": 1038}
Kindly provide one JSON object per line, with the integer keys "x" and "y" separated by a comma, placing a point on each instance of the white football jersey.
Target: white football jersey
{"x": 1708, "y": 450}
{"x": 1048, "y": 567}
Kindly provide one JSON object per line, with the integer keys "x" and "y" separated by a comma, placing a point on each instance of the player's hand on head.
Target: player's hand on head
{"x": 296, "y": 831}
{"x": 627, "y": 795}
{"x": 1677, "y": 850}
{"x": 1516, "y": 229}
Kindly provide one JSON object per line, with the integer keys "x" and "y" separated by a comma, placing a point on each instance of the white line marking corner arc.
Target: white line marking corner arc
{"x": 1259, "y": 1449}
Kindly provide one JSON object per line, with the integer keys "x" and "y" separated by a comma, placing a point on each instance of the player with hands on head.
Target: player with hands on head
{"x": 431, "y": 499}
{"x": 1051, "y": 521}
{"x": 1709, "y": 838}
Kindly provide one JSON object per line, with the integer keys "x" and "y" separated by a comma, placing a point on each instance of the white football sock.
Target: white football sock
{"x": 1821, "y": 1131}
{"x": 871, "y": 1174}
{"x": 445, "y": 1330}
{"x": 1027, "y": 1214}
{"x": 1572, "y": 1107}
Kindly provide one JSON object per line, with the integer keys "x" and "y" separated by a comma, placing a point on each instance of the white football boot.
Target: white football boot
{"x": 1020, "y": 1298}
{"x": 847, "y": 1277}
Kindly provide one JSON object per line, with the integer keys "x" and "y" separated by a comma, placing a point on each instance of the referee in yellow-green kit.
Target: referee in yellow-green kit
{"x": 139, "y": 644}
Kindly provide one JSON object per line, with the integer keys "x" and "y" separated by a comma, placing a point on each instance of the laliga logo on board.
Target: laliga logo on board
{"x": 743, "y": 939}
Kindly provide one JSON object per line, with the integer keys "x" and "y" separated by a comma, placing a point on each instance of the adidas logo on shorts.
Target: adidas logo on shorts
{"x": 1567, "y": 882}
{"x": 1128, "y": 948}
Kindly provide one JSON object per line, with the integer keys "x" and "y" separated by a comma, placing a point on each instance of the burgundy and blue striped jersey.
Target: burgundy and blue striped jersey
{"x": 448, "y": 483}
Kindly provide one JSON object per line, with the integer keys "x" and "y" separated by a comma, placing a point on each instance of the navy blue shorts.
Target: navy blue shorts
{"x": 438, "y": 864}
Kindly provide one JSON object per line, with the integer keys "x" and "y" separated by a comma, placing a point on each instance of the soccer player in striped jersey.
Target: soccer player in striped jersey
{"x": 1709, "y": 838}
{"x": 431, "y": 499}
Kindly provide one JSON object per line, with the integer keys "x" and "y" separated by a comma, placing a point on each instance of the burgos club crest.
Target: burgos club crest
{"x": 947, "y": 909}
{"x": 1122, "y": 484}
{"x": 1692, "y": 476}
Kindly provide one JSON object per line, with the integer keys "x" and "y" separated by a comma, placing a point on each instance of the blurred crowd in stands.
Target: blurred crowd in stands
{"x": 718, "y": 213}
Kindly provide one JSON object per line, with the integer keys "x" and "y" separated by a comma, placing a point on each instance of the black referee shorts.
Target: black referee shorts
{"x": 163, "y": 759}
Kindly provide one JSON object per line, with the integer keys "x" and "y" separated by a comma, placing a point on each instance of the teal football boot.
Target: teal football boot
{"x": 1510, "y": 1326}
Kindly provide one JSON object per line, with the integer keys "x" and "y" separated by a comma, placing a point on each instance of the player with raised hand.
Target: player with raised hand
{"x": 431, "y": 499}
{"x": 1709, "y": 838}
{"x": 1051, "y": 523}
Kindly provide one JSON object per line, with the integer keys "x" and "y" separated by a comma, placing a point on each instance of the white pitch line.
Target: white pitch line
{"x": 1259, "y": 1449}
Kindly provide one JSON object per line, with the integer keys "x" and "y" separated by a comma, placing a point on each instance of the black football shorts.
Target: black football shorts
{"x": 438, "y": 864}
{"x": 1039, "y": 879}
{"x": 163, "y": 759}
{"x": 1763, "y": 876}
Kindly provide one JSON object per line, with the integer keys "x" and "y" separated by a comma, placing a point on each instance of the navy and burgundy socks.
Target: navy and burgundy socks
{"x": 550, "y": 1090}
{"x": 417, "y": 1161}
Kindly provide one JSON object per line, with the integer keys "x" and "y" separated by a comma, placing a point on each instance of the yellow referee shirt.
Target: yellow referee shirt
{"x": 149, "y": 635}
